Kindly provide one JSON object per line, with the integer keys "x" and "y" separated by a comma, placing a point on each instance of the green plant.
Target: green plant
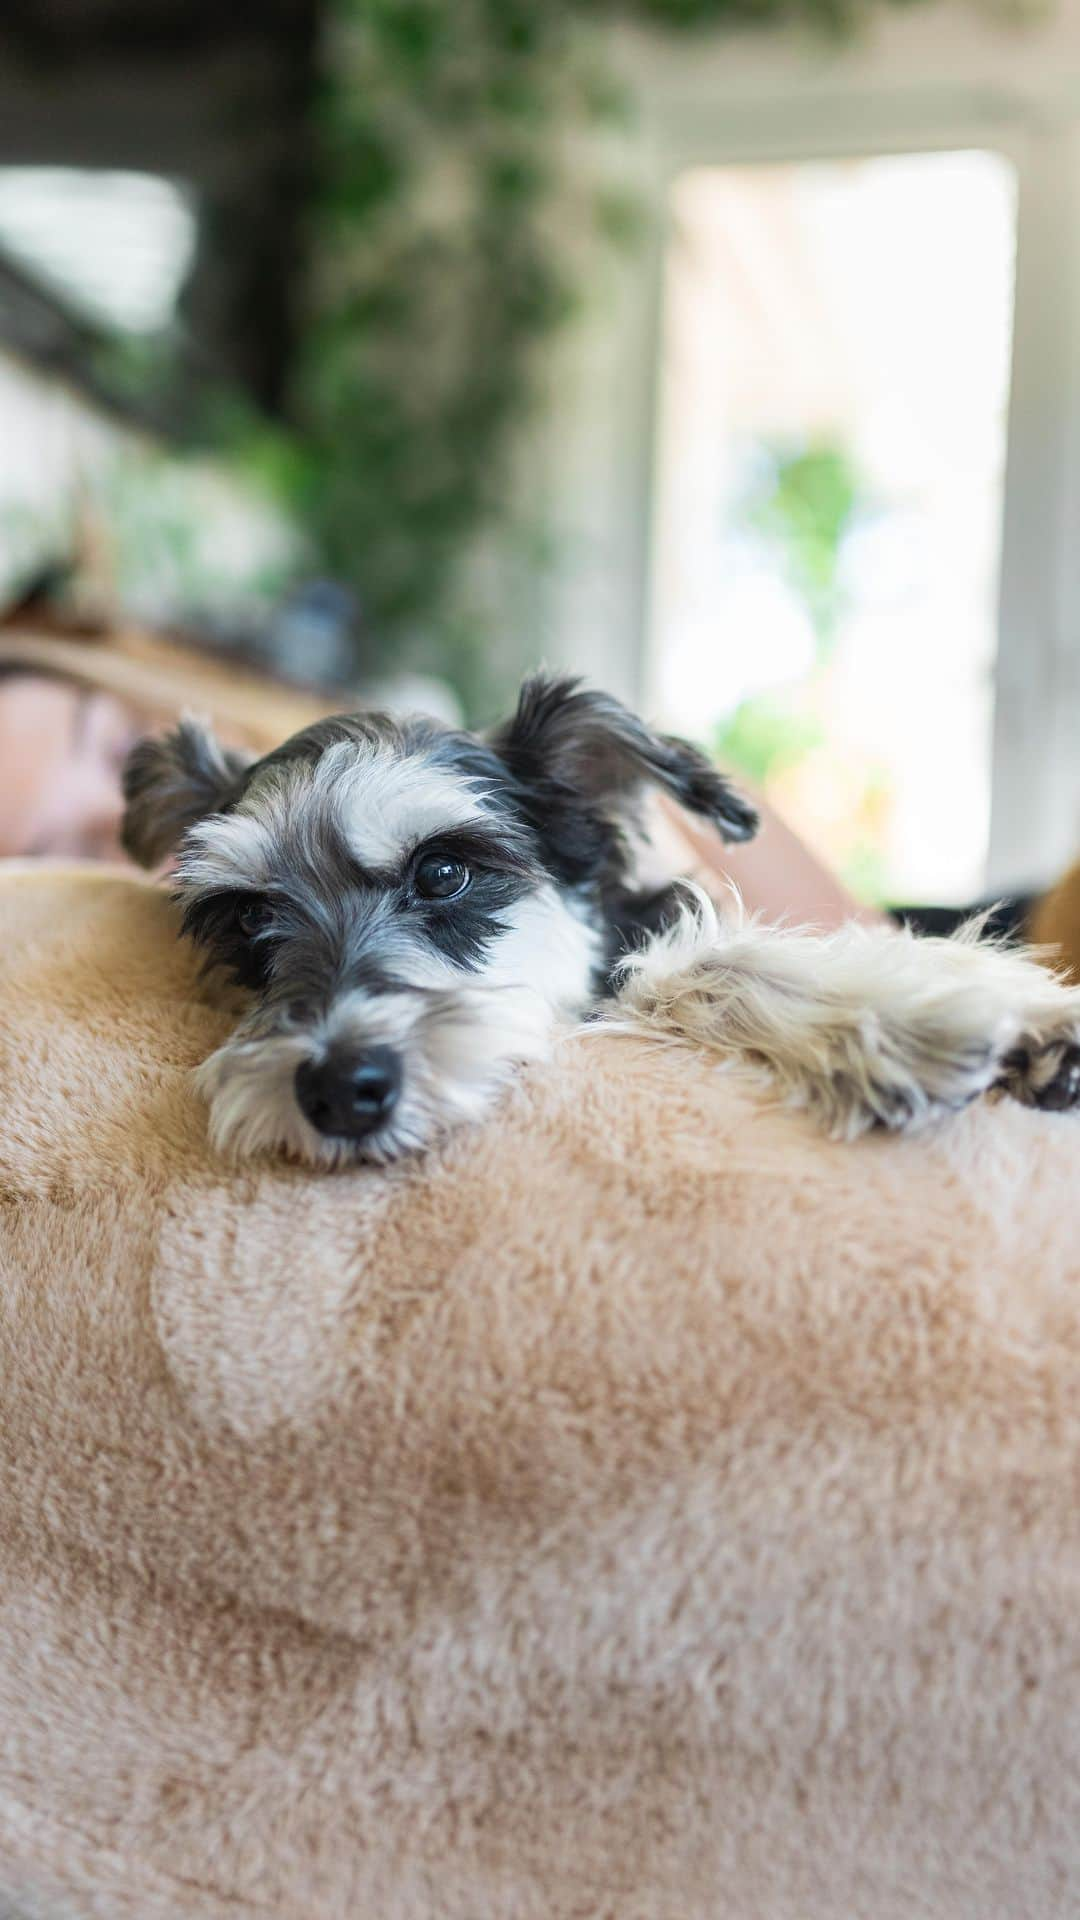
{"x": 766, "y": 735}
{"x": 803, "y": 504}
{"x": 458, "y": 216}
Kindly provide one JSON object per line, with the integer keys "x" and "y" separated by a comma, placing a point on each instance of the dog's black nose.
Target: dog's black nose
{"x": 350, "y": 1097}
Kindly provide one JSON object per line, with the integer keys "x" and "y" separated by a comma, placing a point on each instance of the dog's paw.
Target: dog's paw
{"x": 1047, "y": 1076}
{"x": 1033, "y": 1018}
{"x": 863, "y": 1028}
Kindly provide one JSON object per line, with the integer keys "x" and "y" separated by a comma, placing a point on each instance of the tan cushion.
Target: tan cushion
{"x": 641, "y": 1508}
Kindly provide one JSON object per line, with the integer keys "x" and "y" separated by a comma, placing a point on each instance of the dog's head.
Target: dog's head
{"x": 412, "y": 908}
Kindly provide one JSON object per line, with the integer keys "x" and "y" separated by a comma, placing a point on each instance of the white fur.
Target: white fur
{"x": 460, "y": 1047}
{"x": 227, "y": 850}
{"x": 460, "y": 1037}
{"x": 860, "y": 1027}
{"x": 459, "y": 1034}
{"x": 863, "y": 1026}
{"x": 384, "y": 806}
{"x": 249, "y": 1086}
{"x": 388, "y": 805}
{"x": 549, "y": 945}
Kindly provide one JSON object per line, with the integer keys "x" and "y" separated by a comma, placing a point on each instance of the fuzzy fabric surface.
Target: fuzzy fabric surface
{"x": 640, "y": 1509}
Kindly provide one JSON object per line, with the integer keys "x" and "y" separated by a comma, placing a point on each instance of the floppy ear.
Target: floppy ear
{"x": 170, "y": 781}
{"x": 567, "y": 741}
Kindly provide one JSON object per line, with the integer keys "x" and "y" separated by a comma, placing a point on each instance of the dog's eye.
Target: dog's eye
{"x": 437, "y": 877}
{"x": 253, "y": 917}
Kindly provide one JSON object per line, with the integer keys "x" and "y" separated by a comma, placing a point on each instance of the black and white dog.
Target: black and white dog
{"x": 415, "y": 911}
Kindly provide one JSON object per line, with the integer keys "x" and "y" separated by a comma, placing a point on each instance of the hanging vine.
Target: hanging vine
{"x": 450, "y": 237}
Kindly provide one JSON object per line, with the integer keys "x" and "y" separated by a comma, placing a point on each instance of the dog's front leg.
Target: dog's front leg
{"x": 865, "y": 1026}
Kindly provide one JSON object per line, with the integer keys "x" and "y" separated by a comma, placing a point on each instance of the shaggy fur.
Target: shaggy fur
{"x": 383, "y": 1015}
{"x": 635, "y": 1509}
{"x": 862, "y": 1027}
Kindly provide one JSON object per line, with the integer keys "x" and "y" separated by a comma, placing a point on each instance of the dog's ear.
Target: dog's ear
{"x": 567, "y": 740}
{"x": 172, "y": 780}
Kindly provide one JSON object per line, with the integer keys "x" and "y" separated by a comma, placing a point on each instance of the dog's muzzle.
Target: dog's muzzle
{"x": 349, "y": 1096}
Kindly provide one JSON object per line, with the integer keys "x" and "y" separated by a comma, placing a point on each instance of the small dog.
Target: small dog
{"x": 414, "y": 911}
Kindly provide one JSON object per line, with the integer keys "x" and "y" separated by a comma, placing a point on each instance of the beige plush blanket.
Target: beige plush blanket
{"x": 641, "y": 1510}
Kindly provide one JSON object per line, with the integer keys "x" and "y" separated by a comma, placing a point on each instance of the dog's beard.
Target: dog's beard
{"x": 458, "y": 1046}
{"x": 458, "y": 1038}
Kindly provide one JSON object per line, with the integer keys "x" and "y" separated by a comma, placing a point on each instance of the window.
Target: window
{"x": 828, "y": 497}
{"x": 117, "y": 246}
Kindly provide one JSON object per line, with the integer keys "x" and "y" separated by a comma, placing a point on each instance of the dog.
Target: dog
{"x": 412, "y": 912}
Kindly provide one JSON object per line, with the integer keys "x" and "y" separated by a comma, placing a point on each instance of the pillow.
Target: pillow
{"x": 640, "y": 1507}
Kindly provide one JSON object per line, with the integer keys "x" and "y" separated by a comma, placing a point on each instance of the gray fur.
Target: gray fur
{"x": 303, "y": 874}
{"x": 172, "y": 781}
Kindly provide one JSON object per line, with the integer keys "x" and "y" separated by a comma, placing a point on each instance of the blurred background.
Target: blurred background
{"x": 726, "y": 351}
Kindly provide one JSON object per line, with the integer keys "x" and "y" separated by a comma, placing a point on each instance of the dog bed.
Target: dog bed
{"x": 641, "y": 1508}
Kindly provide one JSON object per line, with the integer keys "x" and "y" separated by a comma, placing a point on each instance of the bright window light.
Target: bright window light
{"x": 831, "y": 456}
{"x": 116, "y": 246}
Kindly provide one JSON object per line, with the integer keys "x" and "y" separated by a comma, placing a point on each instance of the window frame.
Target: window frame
{"x": 935, "y": 79}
